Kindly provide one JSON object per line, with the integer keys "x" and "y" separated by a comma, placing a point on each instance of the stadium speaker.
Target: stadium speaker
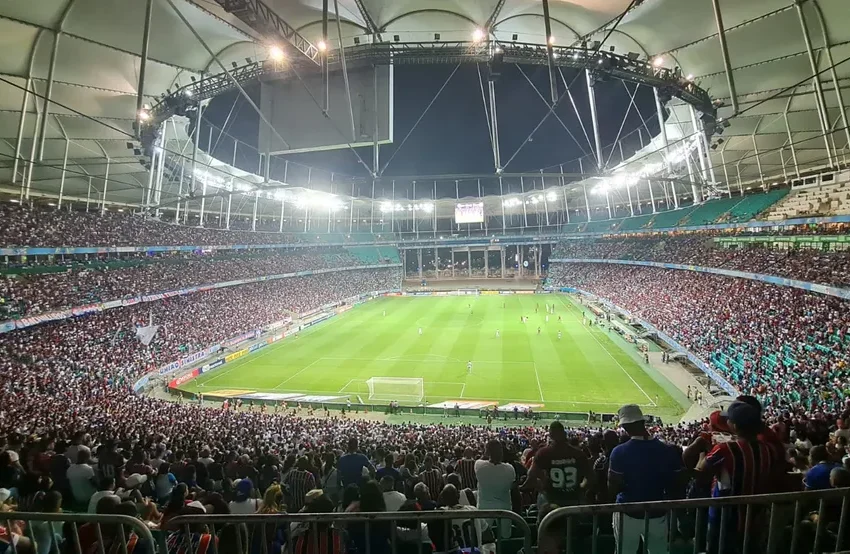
{"x": 356, "y": 40}
{"x": 396, "y": 38}
{"x": 633, "y": 56}
{"x": 436, "y": 36}
{"x": 514, "y": 37}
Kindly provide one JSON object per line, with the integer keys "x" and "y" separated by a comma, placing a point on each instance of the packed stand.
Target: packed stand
{"x": 80, "y": 285}
{"x": 787, "y": 346}
{"x": 803, "y": 264}
{"x": 22, "y": 226}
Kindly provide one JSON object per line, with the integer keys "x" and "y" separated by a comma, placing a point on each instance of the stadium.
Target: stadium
{"x": 546, "y": 276}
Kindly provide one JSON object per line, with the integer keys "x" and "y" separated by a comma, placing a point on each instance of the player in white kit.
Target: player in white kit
{"x": 469, "y": 367}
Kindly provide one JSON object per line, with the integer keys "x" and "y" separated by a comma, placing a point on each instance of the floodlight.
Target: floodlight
{"x": 276, "y": 53}
{"x": 551, "y": 39}
{"x": 478, "y": 35}
{"x": 187, "y": 92}
{"x": 144, "y": 115}
{"x": 690, "y": 77}
{"x": 551, "y": 196}
{"x": 322, "y": 46}
{"x": 575, "y": 55}
{"x": 658, "y": 61}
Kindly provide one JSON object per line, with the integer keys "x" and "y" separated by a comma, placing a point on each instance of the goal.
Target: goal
{"x": 407, "y": 389}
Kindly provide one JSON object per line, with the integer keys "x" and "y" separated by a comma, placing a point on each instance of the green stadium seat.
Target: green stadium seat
{"x": 571, "y": 227}
{"x": 709, "y": 212}
{"x": 635, "y": 223}
{"x": 603, "y": 226}
{"x": 670, "y": 218}
{"x": 752, "y": 205}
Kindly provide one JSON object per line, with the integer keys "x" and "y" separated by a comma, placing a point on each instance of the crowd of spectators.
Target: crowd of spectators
{"x": 803, "y": 264}
{"x": 105, "y": 343}
{"x": 785, "y": 345}
{"x": 83, "y": 284}
{"x": 48, "y": 227}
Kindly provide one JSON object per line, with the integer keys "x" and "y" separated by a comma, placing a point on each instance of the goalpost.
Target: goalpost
{"x": 406, "y": 389}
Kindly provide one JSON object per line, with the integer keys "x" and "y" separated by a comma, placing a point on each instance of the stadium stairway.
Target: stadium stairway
{"x": 636, "y": 223}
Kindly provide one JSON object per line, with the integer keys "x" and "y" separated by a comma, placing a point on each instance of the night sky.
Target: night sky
{"x": 453, "y": 137}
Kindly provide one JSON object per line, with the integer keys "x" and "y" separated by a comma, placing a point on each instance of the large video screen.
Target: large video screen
{"x": 472, "y": 212}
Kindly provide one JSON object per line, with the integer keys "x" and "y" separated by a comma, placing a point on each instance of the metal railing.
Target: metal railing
{"x": 110, "y": 533}
{"x": 370, "y": 532}
{"x": 813, "y": 521}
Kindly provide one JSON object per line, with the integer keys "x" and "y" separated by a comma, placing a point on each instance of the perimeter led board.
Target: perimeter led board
{"x": 472, "y": 212}
{"x": 294, "y": 108}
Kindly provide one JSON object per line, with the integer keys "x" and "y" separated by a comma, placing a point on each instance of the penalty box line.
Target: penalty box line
{"x": 452, "y": 383}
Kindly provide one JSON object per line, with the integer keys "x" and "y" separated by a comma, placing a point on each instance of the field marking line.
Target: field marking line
{"x": 462, "y": 390}
{"x": 571, "y": 308}
{"x": 346, "y": 385}
{"x": 539, "y": 388}
{"x": 297, "y": 373}
{"x": 240, "y": 363}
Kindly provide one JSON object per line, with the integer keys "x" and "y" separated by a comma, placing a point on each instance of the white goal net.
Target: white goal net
{"x": 403, "y": 389}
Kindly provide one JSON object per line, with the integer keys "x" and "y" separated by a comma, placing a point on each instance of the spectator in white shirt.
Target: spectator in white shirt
{"x": 392, "y": 498}
{"x": 81, "y": 477}
{"x": 496, "y": 480}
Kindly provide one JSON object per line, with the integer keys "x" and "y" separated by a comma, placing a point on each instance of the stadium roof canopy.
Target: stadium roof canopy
{"x": 97, "y": 44}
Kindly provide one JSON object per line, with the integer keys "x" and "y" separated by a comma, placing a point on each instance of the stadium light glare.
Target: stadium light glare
{"x": 276, "y": 53}
{"x": 478, "y": 34}
{"x": 690, "y": 77}
{"x": 322, "y": 46}
{"x": 144, "y": 115}
{"x": 551, "y": 196}
{"x": 511, "y": 202}
{"x": 551, "y": 39}
{"x": 426, "y": 207}
{"x": 658, "y": 61}
{"x": 187, "y": 92}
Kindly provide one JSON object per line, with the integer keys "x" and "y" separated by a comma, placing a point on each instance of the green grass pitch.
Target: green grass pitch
{"x": 584, "y": 370}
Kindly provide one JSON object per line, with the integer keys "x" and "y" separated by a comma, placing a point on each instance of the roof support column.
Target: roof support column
{"x": 823, "y": 114}
{"x": 586, "y": 201}
{"x": 702, "y": 148}
{"x": 660, "y": 112}
{"x": 19, "y": 140}
{"x": 140, "y": 93}
{"x": 724, "y": 50}
{"x": 790, "y": 137}
{"x": 179, "y": 194}
{"x": 594, "y": 117}
{"x": 758, "y": 161}
{"x": 550, "y": 54}
{"x": 726, "y": 173}
{"x": 651, "y": 196}
{"x": 105, "y": 186}
{"x": 494, "y": 124}
{"x": 835, "y": 82}
{"x": 25, "y": 191}
{"x": 42, "y": 129}
{"x": 192, "y": 177}
{"x": 62, "y": 179}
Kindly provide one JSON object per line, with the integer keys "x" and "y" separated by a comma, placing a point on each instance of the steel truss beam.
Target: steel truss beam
{"x": 414, "y": 53}
{"x": 257, "y": 15}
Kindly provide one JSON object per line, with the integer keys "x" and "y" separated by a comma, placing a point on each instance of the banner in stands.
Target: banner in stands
{"x": 183, "y": 379}
{"x": 236, "y": 355}
{"x": 464, "y": 404}
{"x": 715, "y": 376}
{"x": 813, "y": 287}
{"x": 188, "y": 360}
{"x": 141, "y": 383}
{"x": 520, "y": 407}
